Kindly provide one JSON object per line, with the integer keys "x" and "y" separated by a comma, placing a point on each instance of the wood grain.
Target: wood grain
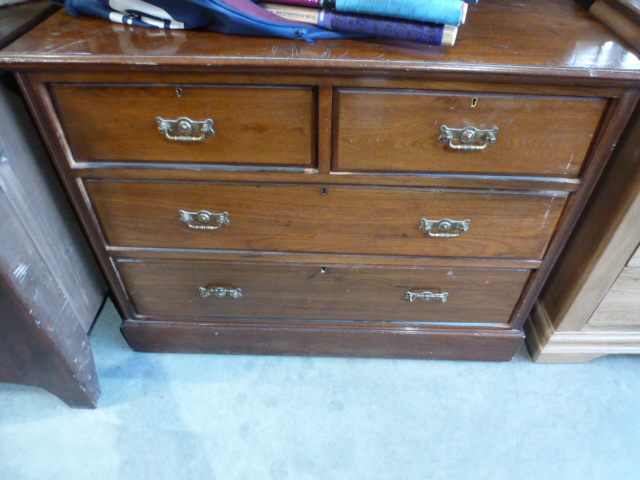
{"x": 316, "y": 292}
{"x": 398, "y": 131}
{"x": 297, "y": 215}
{"x": 344, "y": 220}
{"x": 500, "y": 40}
{"x": 603, "y": 242}
{"x": 550, "y": 346}
{"x": 253, "y": 125}
{"x": 621, "y": 305}
{"x": 50, "y": 287}
{"x": 164, "y": 335}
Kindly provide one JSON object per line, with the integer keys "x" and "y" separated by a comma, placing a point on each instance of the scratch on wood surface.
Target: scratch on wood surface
{"x": 20, "y": 272}
{"x": 326, "y": 53}
{"x": 546, "y": 215}
{"x": 570, "y": 160}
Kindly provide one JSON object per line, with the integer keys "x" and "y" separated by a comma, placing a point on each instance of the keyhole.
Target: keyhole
{"x": 179, "y": 92}
{"x": 324, "y": 192}
{"x": 474, "y": 102}
{"x": 323, "y": 270}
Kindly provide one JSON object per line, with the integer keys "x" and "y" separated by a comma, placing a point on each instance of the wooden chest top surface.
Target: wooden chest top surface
{"x": 544, "y": 39}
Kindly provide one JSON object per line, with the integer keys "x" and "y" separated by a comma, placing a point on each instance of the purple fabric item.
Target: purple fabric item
{"x": 419, "y": 32}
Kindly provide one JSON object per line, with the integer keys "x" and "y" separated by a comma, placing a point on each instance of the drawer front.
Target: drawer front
{"x": 391, "y": 131}
{"x": 253, "y": 125}
{"x": 315, "y": 292}
{"x": 374, "y": 221}
{"x": 621, "y": 305}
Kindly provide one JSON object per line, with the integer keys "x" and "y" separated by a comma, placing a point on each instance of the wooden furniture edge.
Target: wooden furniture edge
{"x": 310, "y": 340}
{"x": 610, "y": 246}
{"x": 546, "y": 345}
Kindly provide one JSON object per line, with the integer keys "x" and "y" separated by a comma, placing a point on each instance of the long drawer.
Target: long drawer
{"x": 394, "y": 131}
{"x": 253, "y": 125}
{"x": 374, "y": 221}
{"x": 364, "y": 293}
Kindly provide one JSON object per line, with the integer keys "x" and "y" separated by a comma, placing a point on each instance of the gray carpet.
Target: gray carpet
{"x": 174, "y": 417}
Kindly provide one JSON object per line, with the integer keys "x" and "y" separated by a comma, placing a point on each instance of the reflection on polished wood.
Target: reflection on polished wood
{"x": 331, "y": 166}
{"x": 542, "y": 38}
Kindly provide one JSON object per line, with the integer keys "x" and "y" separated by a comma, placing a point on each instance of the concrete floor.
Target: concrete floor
{"x": 174, "y": 417}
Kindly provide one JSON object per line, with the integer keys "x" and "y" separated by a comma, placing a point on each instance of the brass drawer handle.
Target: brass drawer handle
{"x": 467, "y": 138}
{"x": 426, "y": 297}
{"x": 220, "y": 292}
{"x": 444, "y": 228}
{"x": 185, "y": 129}
{"x": 204, "y": 220}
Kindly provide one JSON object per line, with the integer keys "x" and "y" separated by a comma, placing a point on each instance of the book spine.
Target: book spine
{"x": 309, "y": 3}
{"x": 410, "y": 31}
{"x": 449, "y": 12}
{"x": 294, "y": 13}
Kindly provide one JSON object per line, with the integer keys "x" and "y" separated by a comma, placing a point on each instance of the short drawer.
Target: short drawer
{"x": 253, "y": 125}
{"x": 316, "y": 292}
{"x": 342, "y": 220}
{"x": 394, "y": 131}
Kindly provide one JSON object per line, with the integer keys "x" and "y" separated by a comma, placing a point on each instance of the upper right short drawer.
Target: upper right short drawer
{"x": 400, "y": 131}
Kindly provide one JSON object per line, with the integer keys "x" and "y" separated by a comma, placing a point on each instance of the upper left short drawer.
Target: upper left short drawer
{"x": 246, "y": 125}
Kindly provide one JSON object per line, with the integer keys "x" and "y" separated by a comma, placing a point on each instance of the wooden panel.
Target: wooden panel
{"x": 621, "y": 304}
{"x": 501, "y": 39}
{"x": 50, "y": 287}
{"x": 343, "y": 220}
{"x": 259, "y": 125}
{"x": 163, "y": 335}
{"x": 316, "y": 292}
{"x": 394, "y": 131}
{"x": 18, "y": 19}
{"x": 603, "y": 241}
{"x": 635, "y": 259}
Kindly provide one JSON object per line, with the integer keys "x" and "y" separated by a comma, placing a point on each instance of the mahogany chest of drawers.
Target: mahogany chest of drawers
{"x": 252, "y": 195}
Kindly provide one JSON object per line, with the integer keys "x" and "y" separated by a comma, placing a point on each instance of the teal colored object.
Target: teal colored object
{"x": 435, "y": 11}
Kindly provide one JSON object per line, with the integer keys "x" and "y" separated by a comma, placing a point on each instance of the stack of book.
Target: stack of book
{"x": 432, "y": 22}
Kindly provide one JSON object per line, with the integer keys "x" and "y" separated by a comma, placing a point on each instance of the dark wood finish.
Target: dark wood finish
{"x": 608, "y": 136}
{"x": 379, "y": 131}
{"x": 318, "y": 259}
{"x": 325, "y": 220}
{"x": 562, "y": 79}
{"x": 253, "y": 125}
{"x": 50, "y": 286}
{"x": 579, "y": 315}
{"x": 552, "y": 41}
{"x": 48, "y": 354}
{"x": 601, "y": 244}
{"x": 18, "y": 19}
{"x": 323, "y": 340}
{"x": 316, "y": 292}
